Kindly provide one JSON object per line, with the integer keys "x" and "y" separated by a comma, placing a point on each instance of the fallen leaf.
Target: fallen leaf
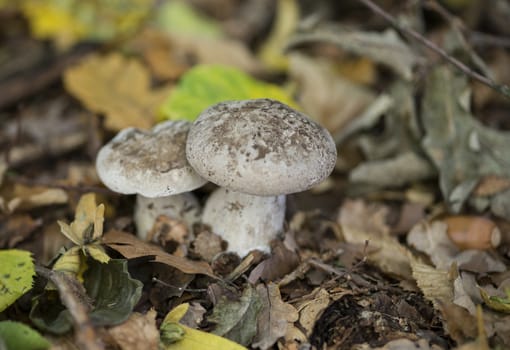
{"x": 132, "y": 247}
{"x": 325, "y": 95}
{"x": 237, "y": 319}
{"x": 361, "y": 223}
{"x": 67, "y": 22}
{"x": 436, "y": 285}
{"x": 310, "y": 309}
{"x": 386, "y": 47}
{"x": 271, "y": 51}
{"x": 137, "y": 330}
{"x": 16, "y": 275}
{"x": 22, "y": 197}
{"x": 117, "y": 87}
{"x": 274, "y": 319}
{"x": 205, "y": 85}
{"x": 85, "y": 232}
{"x": 404, "y": 168}
{"x": 188, "y": 338}
{"x": 464, "y": 151}
{"x": 432, "y": 239}
{"x": 181, "y": 17}
{"x": 16, "y": 335}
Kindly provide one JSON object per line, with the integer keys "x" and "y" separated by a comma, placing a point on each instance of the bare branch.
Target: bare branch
{"x": 502, "y": 89}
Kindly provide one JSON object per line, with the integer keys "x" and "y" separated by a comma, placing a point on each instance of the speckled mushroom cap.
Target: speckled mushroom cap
{"x": 150, "y": 163}
{"x": 260, "y": 147}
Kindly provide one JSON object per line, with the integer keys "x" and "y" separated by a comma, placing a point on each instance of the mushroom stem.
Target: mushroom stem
{"x": 247, "y": 222}
{"x": 183, "y": 206}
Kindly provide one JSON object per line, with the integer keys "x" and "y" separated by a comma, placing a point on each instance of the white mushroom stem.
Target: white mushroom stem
{"x": 245, "y": 221}
{"x": 184, "y": 207}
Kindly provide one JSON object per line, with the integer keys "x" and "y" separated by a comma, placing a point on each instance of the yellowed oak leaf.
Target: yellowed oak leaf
{"x": 117, "y": 87}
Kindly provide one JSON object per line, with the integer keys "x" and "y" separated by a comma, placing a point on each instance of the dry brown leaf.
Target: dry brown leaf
{"x": 17, "y": 228}
{"x": 275, "y": 318}
{"x": 132, "y": 247}
{"x": 330, "y": 99}
{"x": 431, "y": 238}
{"x": 138, "y": 331}
{"x": 311, "y": 309}
{"x": 27, "y": 197}
{"x": 117, "y": 87}
{"x": 491, "y": 184}
{"x": 361, "y": 223}
{"x": 436, "y": 285}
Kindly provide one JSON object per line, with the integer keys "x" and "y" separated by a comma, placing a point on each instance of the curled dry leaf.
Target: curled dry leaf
{"x": 132, "y": 247}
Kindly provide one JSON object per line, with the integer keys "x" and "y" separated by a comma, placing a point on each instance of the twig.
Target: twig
{"x": 475, "y": 37}
{"x": 503, "y": 89}
{"x": 71, "y": 293}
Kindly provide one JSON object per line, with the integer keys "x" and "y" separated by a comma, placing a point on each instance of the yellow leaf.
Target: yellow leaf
{"x": 97, "y": 253}
{"x": 194, "y": 339}
{"x": 70, "y": 261}
{"x": 69, "y": 233}
{"x": 69, "y": 21}
{"x": 117, "y": 87}
{"x": 88, "y": 221}
{"x": 287, "y": 18}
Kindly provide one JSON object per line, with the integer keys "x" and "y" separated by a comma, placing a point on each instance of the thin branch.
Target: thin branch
{"x": 503, "y": 89}
{"x": 475, "y": 37}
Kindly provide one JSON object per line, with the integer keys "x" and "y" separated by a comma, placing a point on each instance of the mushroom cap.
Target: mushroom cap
{"x": 150, "y": 163}
{"x": 261, "y": 147}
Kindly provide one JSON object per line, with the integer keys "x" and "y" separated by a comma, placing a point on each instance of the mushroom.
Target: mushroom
{"x": 256, "y": 151}
{"x": 153, "y": 165}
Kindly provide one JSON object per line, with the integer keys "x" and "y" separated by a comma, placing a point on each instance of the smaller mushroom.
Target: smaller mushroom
{"x": 153, "y": 165}
{"x": 257, "y": 151}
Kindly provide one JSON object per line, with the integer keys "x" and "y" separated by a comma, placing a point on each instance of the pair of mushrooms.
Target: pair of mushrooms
{"x": 256, "y": 151}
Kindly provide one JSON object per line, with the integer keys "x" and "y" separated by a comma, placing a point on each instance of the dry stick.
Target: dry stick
{"x": 502, "y": 89}
{"x": 85, "y": 334}
{"x": 473, "y": 36}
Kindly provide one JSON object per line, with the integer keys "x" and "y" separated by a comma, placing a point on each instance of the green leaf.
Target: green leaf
{"x": 497, "y": 303}
{"x": 113, "y": 291}
{"x": 16, "y": 274}
{"x": 49, "y": 314}
{"x": 180, "y": 17}
{"x": 237, "y": 319}
{"x": 205, "y": 85}
{"x": 18, "y": 336}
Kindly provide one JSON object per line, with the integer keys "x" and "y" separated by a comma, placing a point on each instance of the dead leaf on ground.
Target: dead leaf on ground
{"x": 386, "y": 47}
{"x": 237, "y": 319}
{"x": 23, "y": 197}
{"x": 137, "y": 330}
{"x": 131, "y": 247}
{"x": 274, "y": 318}
{"x": 118, "y": 87}
{"x": 324, "y": 94}
{"x": 361, "y": 223}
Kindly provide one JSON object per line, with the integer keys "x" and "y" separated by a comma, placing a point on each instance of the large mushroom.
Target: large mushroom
{"x": 256, "y": 151}
{"x": 153, "y": 165}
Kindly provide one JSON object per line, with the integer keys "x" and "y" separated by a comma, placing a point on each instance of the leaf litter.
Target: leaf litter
{"x": 405, "y": 247}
